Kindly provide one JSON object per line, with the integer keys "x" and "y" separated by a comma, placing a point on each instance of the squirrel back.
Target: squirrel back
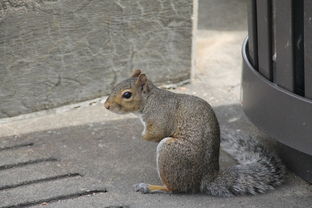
{"x": 189, "y": 140}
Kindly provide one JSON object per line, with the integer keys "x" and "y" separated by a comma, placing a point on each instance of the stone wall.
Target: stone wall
{"x": 56, "y": 52}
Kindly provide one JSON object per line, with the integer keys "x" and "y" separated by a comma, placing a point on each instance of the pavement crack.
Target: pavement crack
{"x": 16, "y": 146}
{"x": 57, "y": 198}
{"x": 30, "y": 162}
{"x": 42, "y": 180}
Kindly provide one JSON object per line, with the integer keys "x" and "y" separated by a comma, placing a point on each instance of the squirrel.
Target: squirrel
{"x": 188, "y": 133}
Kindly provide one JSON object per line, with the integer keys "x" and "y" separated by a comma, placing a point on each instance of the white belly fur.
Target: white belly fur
{"x": 142, "y": 121}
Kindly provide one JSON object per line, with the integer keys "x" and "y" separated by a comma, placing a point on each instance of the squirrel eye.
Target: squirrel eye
{"x": 127, "y": 95}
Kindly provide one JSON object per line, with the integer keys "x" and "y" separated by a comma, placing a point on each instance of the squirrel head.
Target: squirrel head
{"x": 128, "y": 95}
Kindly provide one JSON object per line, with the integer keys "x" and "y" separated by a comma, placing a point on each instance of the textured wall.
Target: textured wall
{"x": 55, "y": 52}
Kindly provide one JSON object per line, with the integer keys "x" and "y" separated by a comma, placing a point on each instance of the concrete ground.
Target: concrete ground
{"x": 84, "y": 156}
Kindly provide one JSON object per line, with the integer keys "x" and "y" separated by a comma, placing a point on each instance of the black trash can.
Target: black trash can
{"x": 277, "y": 77}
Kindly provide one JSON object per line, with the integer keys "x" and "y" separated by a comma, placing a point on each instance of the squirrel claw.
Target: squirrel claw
{"x": 141, "y": 187}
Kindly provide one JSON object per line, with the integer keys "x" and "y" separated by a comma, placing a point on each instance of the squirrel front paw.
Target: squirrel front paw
{"x": 141, "y": 187}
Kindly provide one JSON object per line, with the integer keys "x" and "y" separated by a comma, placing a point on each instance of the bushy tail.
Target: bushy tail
{"x": 258, "y": 171}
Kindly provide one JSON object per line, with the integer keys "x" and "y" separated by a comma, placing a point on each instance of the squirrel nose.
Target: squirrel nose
{"x": 106, "y": 105}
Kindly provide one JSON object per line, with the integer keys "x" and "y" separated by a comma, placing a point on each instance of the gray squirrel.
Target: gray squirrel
{"x": 188, "y": 133}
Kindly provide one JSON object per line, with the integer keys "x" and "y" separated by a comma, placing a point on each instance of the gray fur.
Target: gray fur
{"x": 258, "y": 170}
{"x": 189, "y": 136}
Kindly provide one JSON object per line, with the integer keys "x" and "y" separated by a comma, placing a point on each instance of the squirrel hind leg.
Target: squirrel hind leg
{"x": 148, "y": 189}
{"x": 178, "y": 166}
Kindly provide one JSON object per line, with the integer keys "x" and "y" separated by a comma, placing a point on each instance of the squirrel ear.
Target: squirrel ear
{"x": 136, "y": 73}
{"x": 142, "y": 82}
